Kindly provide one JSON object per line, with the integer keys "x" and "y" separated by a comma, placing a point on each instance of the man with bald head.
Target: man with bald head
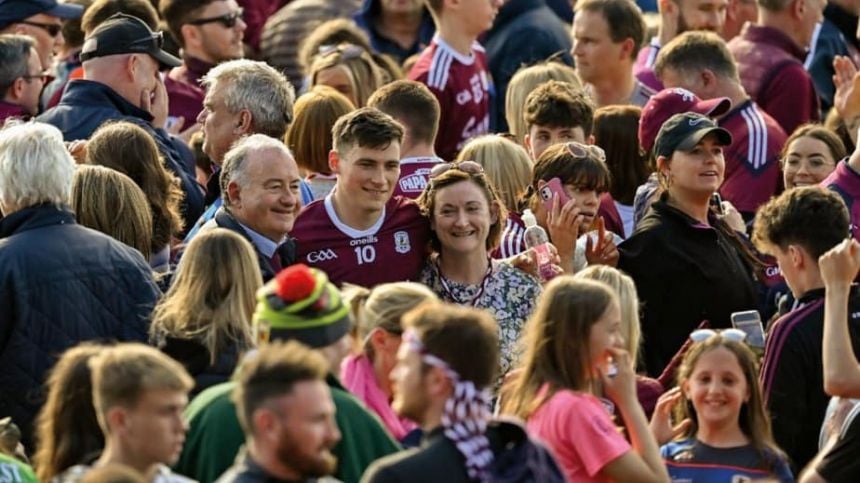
{"x": 122, "y": 58}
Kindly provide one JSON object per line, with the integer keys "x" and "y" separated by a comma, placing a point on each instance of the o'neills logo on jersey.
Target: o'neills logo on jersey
{"x": 415, "y": 182}
{"x": 363, "y": 241}
{"x": 401, "y": 242}
{"x": 321, "y": 256}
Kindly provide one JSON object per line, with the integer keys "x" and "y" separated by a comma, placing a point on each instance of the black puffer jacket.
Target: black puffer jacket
{"x": 60, "y": 284}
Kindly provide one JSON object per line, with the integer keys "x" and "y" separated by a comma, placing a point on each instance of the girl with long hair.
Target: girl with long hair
{"x": 725, "y": 432}
{"x": 67, "y": 429}
{"x": 204, "y": 319}
{"x": 571, "y": 343}
{"x": 376, "y": 315}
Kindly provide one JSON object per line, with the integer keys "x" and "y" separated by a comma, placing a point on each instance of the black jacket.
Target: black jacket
{"x": 287, "y": 251}
{"x": 685, "y": 273}
{"x": 86, "y": 105}
{"x": 195, "y": 357}
{"x": 524, "y": 33}
{"x": 60, "y": 284}
{"x": 246, "y": 470}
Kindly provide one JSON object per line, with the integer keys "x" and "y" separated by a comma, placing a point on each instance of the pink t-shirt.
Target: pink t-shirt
{"x": 580, "y": 433}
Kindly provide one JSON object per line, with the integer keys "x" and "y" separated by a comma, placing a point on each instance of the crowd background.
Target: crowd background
{"x": 438, "y": 240}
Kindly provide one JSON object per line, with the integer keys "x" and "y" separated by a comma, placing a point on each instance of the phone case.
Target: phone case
{"x": 553, "y": 186}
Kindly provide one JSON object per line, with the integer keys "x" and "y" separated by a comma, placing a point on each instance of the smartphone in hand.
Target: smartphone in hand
{"x": 553, "y": 186}
{"x": 717, "y": 203}
{"x": 749, "y": 321}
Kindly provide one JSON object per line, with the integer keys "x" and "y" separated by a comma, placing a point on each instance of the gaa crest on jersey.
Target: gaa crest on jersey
{"x": 401, "y": 242}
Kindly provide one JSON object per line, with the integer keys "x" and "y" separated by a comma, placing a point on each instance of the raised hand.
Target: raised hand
{"x": 839, "y": 266}
{"x": 661, "y": 420}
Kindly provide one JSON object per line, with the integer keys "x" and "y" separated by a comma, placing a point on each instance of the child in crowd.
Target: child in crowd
{"x": 572, "y": 341}
{"x": 454, "y": 67}
{"x": 204, "y": 320}
{"x": 557, "y": 112}
{"x": 726, "y": 433}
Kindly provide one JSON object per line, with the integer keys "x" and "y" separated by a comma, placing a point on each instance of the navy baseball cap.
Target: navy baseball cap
{"x": 126, "y": 34}
{"x": 683, "y": 132}
{"x": 12, "y": 11}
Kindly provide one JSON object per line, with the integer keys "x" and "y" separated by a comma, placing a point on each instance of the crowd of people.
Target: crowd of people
{"x": 429, "y": 241}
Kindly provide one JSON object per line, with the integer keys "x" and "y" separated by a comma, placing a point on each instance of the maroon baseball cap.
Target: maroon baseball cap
{"x": 669, "y": 102}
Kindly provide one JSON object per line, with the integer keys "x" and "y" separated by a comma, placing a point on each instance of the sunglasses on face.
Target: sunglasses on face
{"x": 469, "y": 167}
{"x": 734, "y": 335}
{"x": 53, "y": 29}
{"x": 228, "y": 20}
{"x": 582, "y": 151}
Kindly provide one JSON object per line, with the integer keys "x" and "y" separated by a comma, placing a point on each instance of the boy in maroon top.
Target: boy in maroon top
{"x": 770, "y": 56}
{"x": 209, "y": 32}
{"x": 359, "y": 233}
{"x": 413, "y": 106}
{"x": 701, "y": 63}
{"x": 454, "y": 67}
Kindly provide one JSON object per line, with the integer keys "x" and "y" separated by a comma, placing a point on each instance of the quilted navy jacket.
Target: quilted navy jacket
{"x": 60, "y": 284}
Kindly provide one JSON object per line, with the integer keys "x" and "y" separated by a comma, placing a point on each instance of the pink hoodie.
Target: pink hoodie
{"x": 356, "y": 374}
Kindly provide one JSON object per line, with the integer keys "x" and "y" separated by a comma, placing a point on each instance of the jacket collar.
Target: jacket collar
{"x": 663, "y": 206}
{"x": 7, "y": 110}
{"x": 91, "y": 93}
{"x": 36, "y": 216}
{"x": 286, "y": 250}
{"x": 768, "y": 35}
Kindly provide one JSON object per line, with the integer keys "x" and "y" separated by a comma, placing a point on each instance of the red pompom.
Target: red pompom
{"x": 295, "y": 283}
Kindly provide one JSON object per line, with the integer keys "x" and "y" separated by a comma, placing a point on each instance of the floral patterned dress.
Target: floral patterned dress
{"x": 509, "y": 294}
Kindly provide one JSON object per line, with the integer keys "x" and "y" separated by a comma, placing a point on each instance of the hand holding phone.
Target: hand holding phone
{"x": 750, "y": 322}
{"x": 548, "y": 188}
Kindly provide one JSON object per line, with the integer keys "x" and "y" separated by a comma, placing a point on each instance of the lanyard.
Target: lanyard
{"x": 472, "y": 301}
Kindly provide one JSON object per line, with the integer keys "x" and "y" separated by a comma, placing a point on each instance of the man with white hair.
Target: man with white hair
{"x": 60, "y": 283}
{"x": 260, "y": 181}
{"x": 243, "y": 97}
{"x": 121, "y": 61}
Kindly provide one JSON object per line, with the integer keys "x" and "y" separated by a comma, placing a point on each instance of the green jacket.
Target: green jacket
{"x": 14, "y": 471}
{"x": 215, "y": 436}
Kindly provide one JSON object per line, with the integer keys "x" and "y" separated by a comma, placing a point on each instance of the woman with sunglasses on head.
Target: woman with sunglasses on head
{"x": 564, "y": 196}
{"x": 466, "y": 218}
{"x": 687, "y": 263}
{"x": 724, "y": 434}
{"x": 349, "y": 69}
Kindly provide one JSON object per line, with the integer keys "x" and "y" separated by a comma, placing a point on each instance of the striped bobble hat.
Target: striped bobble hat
{"x": 301, "y": 304}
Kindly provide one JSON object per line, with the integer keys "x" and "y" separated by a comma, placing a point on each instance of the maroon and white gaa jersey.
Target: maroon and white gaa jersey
{"x": 752, "y": 161}
{"x": 462, "y": 84}
{"x": 392, "y": 250}
{"x": 414, "y": 173}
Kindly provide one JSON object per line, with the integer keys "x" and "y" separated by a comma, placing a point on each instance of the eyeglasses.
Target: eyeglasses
{"x": 228, "y": 20}
{"x": 582, "y": 151}
{"x": 734, "y": 335}
{"x": 43, "y": 76}
{"x": 346, "y": 51}
{"x": 53, "y": 29}
{"x": 469, "y": 167}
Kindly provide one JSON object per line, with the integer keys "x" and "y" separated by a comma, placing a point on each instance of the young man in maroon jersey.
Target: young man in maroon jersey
{"x": 454, "y": 67}
{"x": 360, "y": 233}
{"x": 417, "y": 110}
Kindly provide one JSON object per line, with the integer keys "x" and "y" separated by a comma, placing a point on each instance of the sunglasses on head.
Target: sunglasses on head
{"x": 734, "y": 335}
{"x": 156, "y": 37}
{"x": 582, "y": 151}
{"x": 53, "y": 29}
{"x": 228, "y": 20}
{"x": 469, "y": 167}
{"x": 345, "y": 51}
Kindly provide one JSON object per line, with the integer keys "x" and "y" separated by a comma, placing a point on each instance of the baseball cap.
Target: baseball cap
{"x": 301, "y": 304}
{"x": 684, "y": 131}
{"x": 669, "y": 102}
{"x": 126, "y": 34}
{"x": 12, "y": 11}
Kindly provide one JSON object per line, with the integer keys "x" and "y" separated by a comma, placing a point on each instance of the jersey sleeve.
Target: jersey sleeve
{"x": 784, "y": 385}
{"x": 594, "y": 437}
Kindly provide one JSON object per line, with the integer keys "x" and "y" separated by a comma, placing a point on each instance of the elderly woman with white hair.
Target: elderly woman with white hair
{"x": 60, "y": 283}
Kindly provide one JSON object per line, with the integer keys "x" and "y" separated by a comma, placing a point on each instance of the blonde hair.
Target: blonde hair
{"x": 628, "y": 301}
{"x": 383, "y": 306}
{"x": 123, "y": 373}
{"x": 110, "y": 202}
{"x": 309, "y": 135}
{"x": 364, "y": 74}
{"x": 507, "y": 165}
{"x": 212, "y": 297}
{"x": 523, "y": 83}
